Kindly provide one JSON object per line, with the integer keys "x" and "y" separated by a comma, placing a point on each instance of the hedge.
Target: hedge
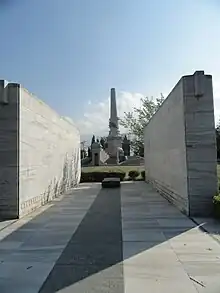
{"x": 133, "y": 174}
{"x": 216, "y": 202}
{"x": 99, "y": 176}
{"x": 85, "y": 161}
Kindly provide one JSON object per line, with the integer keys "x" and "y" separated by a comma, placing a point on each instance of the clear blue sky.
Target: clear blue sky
{"x": 70, "y": 51}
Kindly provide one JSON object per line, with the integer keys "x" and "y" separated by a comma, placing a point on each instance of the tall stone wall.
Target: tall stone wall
{"x": 39, "y": 152}
{"x": 180, "y": 146}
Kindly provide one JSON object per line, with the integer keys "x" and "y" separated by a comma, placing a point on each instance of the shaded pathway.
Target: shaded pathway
{"x": 77, "y": 244}
{"x": 95, "y": 246}
{"x": 33, "y": 244}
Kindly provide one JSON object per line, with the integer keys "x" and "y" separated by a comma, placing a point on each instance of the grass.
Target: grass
{"x": 126, "y": 169}
{"x": 114, "y": 169}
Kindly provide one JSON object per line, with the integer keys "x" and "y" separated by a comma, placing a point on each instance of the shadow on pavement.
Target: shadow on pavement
{"x": 95, "y": 246}
{"x": 92, "y": 259}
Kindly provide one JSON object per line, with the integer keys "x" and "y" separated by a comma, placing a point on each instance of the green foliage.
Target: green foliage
{"x": 143, "y": 174}
{"x": 135, "y": 122}
{"x": 93, "y": 139}
{"x": 133, "y": 174}
{"x": 98, "y": 176}
{"x": 89, "y": 153}
{"x": 102, "y": 142}
{"x": 217, "y": 132}
{"x": 86, "y": 161}
{"x": 82, "y": 154}
{"x": 216, "y": 199}
{"x": 216, "y": 203}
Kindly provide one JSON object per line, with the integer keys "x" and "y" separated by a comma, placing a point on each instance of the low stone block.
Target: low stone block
{"x": 111, "y": 182}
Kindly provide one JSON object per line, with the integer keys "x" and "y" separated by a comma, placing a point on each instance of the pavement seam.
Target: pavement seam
{"x": 33, "y": 214}
{"x": 204, "y": 230}
{"x": 184, "y": 268}
{"x": 15, "y": 221}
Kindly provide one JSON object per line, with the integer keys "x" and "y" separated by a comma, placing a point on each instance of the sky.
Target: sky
{"x": 69, "y": 53}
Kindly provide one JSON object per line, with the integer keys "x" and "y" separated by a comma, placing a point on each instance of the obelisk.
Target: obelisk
{"x": 114, "y": 140}
{"x": 113, "y": 121}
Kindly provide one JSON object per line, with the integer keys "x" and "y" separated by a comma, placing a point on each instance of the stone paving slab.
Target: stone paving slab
{"x": 4, "y": 224}
{"x": 95, "y": 246}
{"x": 29, "y": 248}
{"x": 21, "y": 277}
{"x": 115, "y": 241}
{"x": 187, "y": 260}
{"x": 109, "y": 280}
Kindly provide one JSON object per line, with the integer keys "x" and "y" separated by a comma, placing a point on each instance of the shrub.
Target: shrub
{"x": 216, "y": 202}
{"x": 118, "y": 174}
{"x": 86, "y": 161}
{"x": 143, "y": 175}
{"x": 98, "y": 176}
{"x": 133, "y": 174}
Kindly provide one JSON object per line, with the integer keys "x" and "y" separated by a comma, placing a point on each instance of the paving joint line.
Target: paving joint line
{"x": 204, "y": 230}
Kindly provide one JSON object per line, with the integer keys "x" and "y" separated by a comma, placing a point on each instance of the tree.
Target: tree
{"x": 89, "y": 152}
{"x": 102, "y": 142}
{"x": 135, "y": 122}
{"x": 83, "y": 154}
{"x": 217, "y": 131}
{"x": 93, "y": 139}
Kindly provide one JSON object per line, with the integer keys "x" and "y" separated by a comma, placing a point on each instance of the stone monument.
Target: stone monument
{"x": 114, "y": 140}
{"x": 126, "y": 146}
{"x": 95, "y": 153}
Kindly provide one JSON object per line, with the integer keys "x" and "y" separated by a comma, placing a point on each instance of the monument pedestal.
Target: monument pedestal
{"x": 114, "y": 142}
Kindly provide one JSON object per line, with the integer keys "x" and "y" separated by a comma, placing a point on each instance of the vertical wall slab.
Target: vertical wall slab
{"x": 9, "y": 150}
{"x": 41, "y": 151}
{"x": 201, "y": 154}
{"x": 180, "y": 146}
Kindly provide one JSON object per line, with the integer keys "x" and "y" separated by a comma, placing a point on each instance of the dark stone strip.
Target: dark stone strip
{"x": 95, "y": 247}
{"x": 203, "y": 229}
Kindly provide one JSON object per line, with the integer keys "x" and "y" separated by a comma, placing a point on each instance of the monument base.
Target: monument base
{"x": 114, "y": 143}
{"x": 112, "y": 161}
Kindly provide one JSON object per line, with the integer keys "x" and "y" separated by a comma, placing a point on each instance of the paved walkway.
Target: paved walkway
{"x": 112, "y": 240}
{"x": 212, "y": 226}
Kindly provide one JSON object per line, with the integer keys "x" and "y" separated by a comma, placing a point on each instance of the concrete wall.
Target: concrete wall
{"x": 180, "y": 146}
{"x": 41, "y": 152}
{"x": 9, "y": 156}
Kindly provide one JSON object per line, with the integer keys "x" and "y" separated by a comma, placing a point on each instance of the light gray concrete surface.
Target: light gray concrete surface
{"x": 28, "y": 251}
{"x": 39, "y": 152}
{"x": 163, "y": 250}
{"x": 180, "y": 146}
{"x": 210, "y": 225}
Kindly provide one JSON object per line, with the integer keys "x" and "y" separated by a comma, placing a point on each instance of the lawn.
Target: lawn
{"x": 125, "y": 169}
{"x": 114, "y": 169}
